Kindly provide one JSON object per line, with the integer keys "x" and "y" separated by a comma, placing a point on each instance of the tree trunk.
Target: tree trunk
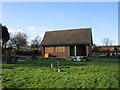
{"x": 18, "y": 48}
{"x": 3, "y": 50}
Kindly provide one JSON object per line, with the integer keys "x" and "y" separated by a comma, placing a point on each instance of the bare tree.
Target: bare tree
{"x": 36, "y": 42}
{"x": 18, "y": 40}
{"x": 10, "y": 43}
{"x": 107, "y": 41}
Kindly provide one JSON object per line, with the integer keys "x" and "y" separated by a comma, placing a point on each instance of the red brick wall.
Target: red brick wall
{"x": 57, "y": 54}
{"x": 43, "y": 51}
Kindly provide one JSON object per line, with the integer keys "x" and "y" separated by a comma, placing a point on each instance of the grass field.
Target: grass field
{"x": 99, "y": 54}
{"x": 99, "y": 73}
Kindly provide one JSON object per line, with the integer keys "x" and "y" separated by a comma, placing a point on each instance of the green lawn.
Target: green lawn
{"x": 99, "y": 54}
{"x": 100, "y": 73}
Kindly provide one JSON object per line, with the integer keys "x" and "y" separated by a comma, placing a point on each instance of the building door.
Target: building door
{"x": 81, "y": 50}
{"x": 72, "y": 51}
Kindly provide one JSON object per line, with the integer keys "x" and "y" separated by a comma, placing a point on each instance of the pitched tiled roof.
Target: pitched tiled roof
{"x": 68, "y": 37}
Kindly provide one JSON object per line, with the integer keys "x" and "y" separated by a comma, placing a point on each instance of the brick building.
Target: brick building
{"x": 112, "y": 48}
{"x": 64, "y": 43}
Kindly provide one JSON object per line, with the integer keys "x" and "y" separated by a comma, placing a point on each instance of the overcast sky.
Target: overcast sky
{"x": 34, "y": 18}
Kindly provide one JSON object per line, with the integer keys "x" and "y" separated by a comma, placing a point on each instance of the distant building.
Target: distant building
{"x": 112, "y": 48}
{"x": 64, "y": 43}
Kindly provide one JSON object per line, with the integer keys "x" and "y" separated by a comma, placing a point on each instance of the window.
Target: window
{"x": 48, "y": 49}
{"x": 60, "y": 49}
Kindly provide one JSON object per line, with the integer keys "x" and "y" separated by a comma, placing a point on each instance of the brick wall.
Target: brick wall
{"x": 53, "y": 53}
{"x": 43, "y": 51}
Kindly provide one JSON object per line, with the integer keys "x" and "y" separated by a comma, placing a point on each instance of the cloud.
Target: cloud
{"x": 35, "y": 28}
{"x": 37, "y": 31}
{"x": 20, "y": 30}
{"x": 43, "y": 29}
{"x": 15, "y": 31}
{"x": 31, "y": 28}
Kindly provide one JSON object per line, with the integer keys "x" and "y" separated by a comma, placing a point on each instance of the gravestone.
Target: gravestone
{"x": 52, "y": 66}
{"x": 59, "y": 69}
{"x": 33, "y": 56}
{"x": 58, "y": 63}
{"x": 9, "y": 59}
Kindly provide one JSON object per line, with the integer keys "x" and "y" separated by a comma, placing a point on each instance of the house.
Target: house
{"x": 112, "y": 48}
{"x": 64, "y": 43}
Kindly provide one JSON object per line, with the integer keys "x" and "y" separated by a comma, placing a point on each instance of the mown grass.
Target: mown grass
{"x": 101, "y": 73}
{"x": 99, "y": 54}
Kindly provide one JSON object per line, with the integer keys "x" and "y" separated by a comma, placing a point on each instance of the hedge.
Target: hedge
{"x": 35, "y": 52}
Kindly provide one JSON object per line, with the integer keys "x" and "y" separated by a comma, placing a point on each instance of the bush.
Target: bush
{"x": 35, "y": 52}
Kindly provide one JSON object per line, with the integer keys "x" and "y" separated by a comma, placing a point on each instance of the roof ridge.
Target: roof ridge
{"x": 71, "y": 29}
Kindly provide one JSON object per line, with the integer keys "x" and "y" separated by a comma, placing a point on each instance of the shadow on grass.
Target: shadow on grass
{"x": 63, "y": 63}
{"x": 47, "y": 63}
{"x": 7, "y": 67}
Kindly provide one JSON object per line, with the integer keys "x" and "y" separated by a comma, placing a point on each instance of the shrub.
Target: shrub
{"x": 35, "y": 52}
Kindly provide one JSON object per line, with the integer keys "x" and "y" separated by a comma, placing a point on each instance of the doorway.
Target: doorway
{"x": 81, "y": 50}
{"x": 72, "y": 51}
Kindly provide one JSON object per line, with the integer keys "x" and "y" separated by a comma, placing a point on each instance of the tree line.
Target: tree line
{"x": 17, "y": 40}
